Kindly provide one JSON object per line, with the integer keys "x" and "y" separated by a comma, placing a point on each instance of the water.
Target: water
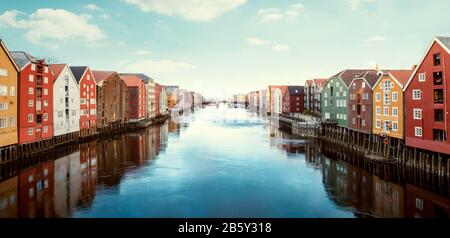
{"x": 217, "y": 162}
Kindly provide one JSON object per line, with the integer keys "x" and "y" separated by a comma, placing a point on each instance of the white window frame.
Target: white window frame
{"x": 378, "y": 97}
{"x": 395, "y": 99}
{"x": 393, "y": 110}
{"x": 422, "y": 77}
{"x": 386, "y": 109}
{"x": 419, "y": 113}
{"x": 5, "y": 120}
{"x": 30, "y": 131}
{"x": 417, "y": 129}
{"x": 31, "y": 78}
{"x": 30, "y": 117}
{"x": 393, "y": 127}
{"x": 378, "y": 124}
{"x": 414, "y": 94}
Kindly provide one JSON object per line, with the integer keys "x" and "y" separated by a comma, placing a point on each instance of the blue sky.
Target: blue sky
{"x": 226, "y": 46}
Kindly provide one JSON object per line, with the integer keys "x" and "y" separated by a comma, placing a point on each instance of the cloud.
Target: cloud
{"x": 152, "y": 67}
{"x": 255, "y": 41}
{"x": 193, "y": 10}
{"x": 279, "y": 47}
{"x": 356, "y": 4}
{"x": 268, "y": 15}
{"x": 140, "y": 52}
{"x": 104, "y": 16}
{"x": 258, "y": 41}
{"x": 50, "y": 26}
{"x": 93, "y": 7}
{"x": 374, "y": 39}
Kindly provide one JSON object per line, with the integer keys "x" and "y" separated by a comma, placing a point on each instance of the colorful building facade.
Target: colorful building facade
{"x": 35, "y": 107}
{"x": 388, "y": 101}
{"x": 427, "y": 99}
{"x": 66, "y": 100}
{"x": 137, "y": 97}
{"x": 293, "y": 99}
{"x": 88, "y": 99}
{"x": 9, "y": 76}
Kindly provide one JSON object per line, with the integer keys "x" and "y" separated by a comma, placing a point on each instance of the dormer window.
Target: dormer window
{"x": 437, "y": 59}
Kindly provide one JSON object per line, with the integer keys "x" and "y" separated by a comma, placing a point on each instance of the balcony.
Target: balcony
{"x": 438, "y": 96}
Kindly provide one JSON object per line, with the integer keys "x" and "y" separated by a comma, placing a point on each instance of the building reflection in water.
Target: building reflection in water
{"x": 57, "y": 188}
{"x": 355, "y": 189}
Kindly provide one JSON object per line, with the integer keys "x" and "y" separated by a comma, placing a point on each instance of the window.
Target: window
{"x": 74, "y": 112}
{"x": 45, "y": 91}
{"x": 45, "y": 79}
{"x": 417, "y": 95}
{"x": 82, "y": 101}
{"x": 378, "y": 97}
{"x": 325, "y": 103}
{"x": 395, "y": 111}
{"x": 395, "y": 126}
{"x": 438, "y": 115}
{"x": 45, "y": 103}
{"x": 30, "y": 117}
{"x": 31, "y": 78}
{"x": 363, "y": 85}
{"x": 4, "y": 106}
{"x": 354, "y": 121}
{"x": 417, "y": 114}
{"x": 337, "y": 94}
{"x": 378, "y": 111}
{"x": 325, "y": 95}
{"x": 363, "y": 122}
{"x": 437, "y": 59}
{"x": 354, "y": 107}
{"x": 45, "y": 116}
{"x": 93, "y": 112}
{"x": 422, "y": 77}
{"x": 344, "y": 94}
{"x": 437, "y": 78}
{"x": 387, "y": 85}
{"x": 439, "y": 135}
{"x": 12, "y": 91}
{"x": 3, "y": 90}
{"x": 30, "y": 131}
{"x": 354, "y": 85}
{"x": 45, "y": 130}
{"x": 3, "y": 122}
{"x": 33, "y": 67}
{"x": 387, "y": 98}
{"x": 418, "y": 131}
{"x": 386, "y": 111}
{"x": 92, "y": 101}
{"x": 30, "y": 103}
{"x": 30, "y": 91}
{"x": 89, "y": 77}
{"x": 60, "y": 114}
{"x": 363, "y": 108}
{"x": 46, "y": 69}
{"x": 378, "y": 124}
{"x": 395, "y": 96}
{"x": 439, "y": 96}
{"x": 4, "y": 72}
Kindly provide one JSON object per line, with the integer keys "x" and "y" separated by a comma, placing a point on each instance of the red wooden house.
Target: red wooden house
{"x": 427, "y": 94}
{"x": 293, "y": 99}
{"x": 360, "y": 101}
{"x": 137, "y": 97}
{"x": 88, "y": 99}
{"x": 35, "y": 118}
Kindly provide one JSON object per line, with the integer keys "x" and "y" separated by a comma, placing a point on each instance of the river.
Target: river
{"x": 216, "y": 162}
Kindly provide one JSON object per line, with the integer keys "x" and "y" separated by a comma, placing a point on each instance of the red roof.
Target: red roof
{"x": 57, "y": 69}
{"x": 402, "y": 76}
{"x": 309, "y": 82}
{"x": 101, "y": 75}
{"x": 320, "y": 82}
{"x": 131, "y": 80}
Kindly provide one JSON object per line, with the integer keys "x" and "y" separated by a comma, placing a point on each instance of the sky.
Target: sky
{"x": 220, "y": 47}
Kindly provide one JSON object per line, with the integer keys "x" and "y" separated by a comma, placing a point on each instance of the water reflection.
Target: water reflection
{"x": 224, "y": 162}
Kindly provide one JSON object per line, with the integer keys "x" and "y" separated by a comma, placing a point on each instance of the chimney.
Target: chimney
{"x": 377, "y": 68}
{"x": 414, "y": 67}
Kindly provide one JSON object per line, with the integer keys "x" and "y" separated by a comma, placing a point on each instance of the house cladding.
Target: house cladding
{"x": 172, "y": 96}
{"x": 293, "y": 99}
{"x": 137, "y": 97}
{"x": 427, "y": 99}
{"x": 35, "y": 107}
{"x": 388, "y": 101}
{"x": 335, "y": 96}
{"x": 318, "y": 84}
{"x": 360, "y": 102}
{"x": 9, "y": 76}
{"x": 88, "y": 99}
{"x": 112, "y": 98}
{"x": 66, "y": 100}
{"x": 275, "y": 99}
{"x": 158, "y": 89}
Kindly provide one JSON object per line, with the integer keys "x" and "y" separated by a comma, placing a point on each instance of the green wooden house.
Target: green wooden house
{"x": 335, "y": 96}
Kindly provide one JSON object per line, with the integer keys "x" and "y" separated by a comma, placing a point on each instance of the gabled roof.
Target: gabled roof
{"x": 57, "y": 69}
{"x": 295, "y": 90}
{"x": 348, "y": 75}
{"x": 131, "y": 80}
{"x": 99, "y": 76}
{"x": 22, "y": 58}
{"x": 78, "y": 72}
{"x": 2, "y": 44}
{"x": 401, "y": 76}
{"x": 143, "y": 77}
{"x": 320, "y": 82}
{"x": 442, "y": 41}
{"x": 445, "y": 41}
{"x": 309, "y": 82}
